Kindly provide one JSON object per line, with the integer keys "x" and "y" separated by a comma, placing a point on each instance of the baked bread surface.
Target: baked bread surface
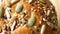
{"x": 27, "y": 17}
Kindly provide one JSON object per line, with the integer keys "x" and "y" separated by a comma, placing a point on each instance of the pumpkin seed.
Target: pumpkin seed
{"x": 19, "y": 8}
{"x": 0, "y": 11}
{"x": 31, "y": 21}
{"x": 43, "y": 29}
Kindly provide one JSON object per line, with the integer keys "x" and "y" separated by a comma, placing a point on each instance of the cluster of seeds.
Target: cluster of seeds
{"x": 36, "y": 15}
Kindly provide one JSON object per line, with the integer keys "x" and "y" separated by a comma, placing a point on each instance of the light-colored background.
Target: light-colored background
{"x": 56, "y": 3}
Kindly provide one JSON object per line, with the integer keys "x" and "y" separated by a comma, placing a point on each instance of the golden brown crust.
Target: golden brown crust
{"x": 30, "y": 19}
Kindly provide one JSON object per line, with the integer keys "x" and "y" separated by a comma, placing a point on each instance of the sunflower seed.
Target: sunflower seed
{"x": 7, "y": 2}
{"x": 54, "y": 17}
{"x": 43, "y": 1}
{"x": 7, "y": 12}
{"x": 44, "y": 19}
{"x": 19, "y": 8}
{"x": 14, "y": 1}
{"x": 43, "y": 29}
{"x": 48, "y": 12}
{"x": 13, "y": 26}
{"x": 50, "y": 24}
{"x": 30, "y": 1}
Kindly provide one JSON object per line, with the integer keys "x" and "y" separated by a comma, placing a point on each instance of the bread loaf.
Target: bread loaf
{"x": 27, "y": 17}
